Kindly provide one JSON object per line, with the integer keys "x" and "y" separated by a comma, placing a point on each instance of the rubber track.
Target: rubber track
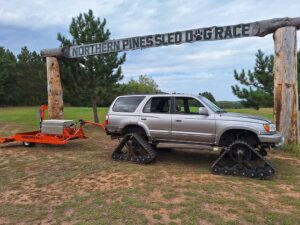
{"x": 245, "y": 169}
{"x": 141, "y": 159}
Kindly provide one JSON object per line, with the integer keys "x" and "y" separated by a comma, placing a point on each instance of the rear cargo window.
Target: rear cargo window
{"x": 127, "y": 104}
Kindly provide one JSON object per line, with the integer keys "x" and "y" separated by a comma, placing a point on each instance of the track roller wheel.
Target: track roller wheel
{"x": 216, "y": 170}
{"x": 244, "y": 173}
{"x": 235, "y": 172}
{"x": 28, "y": 144}
{"x": 269, "y": 170}
{"x": 261, "y": 173}
{"x": 226, "y": 170}
{"x": 252, "y": 173}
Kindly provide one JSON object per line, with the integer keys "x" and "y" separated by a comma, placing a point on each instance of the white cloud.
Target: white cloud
{"x": 212, "y": 55}
{"x": 43, "y": 13}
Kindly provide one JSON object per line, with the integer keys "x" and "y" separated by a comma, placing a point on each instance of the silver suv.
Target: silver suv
{"x": 186, "y": 119}
{"x": 193, "y": 120}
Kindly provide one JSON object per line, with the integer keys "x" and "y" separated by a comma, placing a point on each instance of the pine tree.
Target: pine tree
{"x": 260, "y": 83}
{"x": 209, "y": 96}
{"x": 92, "y": 78}
{"x": 32, "y": 78}
{"x": 8, "y": 78}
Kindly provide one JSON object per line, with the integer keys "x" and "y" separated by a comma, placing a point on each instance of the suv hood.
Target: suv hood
{"x": 243, "y": 117}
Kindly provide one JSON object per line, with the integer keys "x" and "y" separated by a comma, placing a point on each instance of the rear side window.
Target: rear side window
{"x": 158, "y": 105}
{"x": 127, "y": 104}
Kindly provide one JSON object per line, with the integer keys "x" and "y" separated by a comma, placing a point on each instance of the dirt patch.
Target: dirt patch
{"x": 197, "y": 178}
{"x": 56, "y": 193}
{"x": 204, "y": 222}
{"x": 3, "y": 221}
{"x": 158, "y": 197}
{"x": 225, "y": 212}
{"x": 47, "y": 221}
{"x": 269, "y": 198}
{"x": 220, "y": 209}
{"x": 69, "y": 222}
{"x": 69, "y": 212}
{"x": 286, "y": 158}
{"x": 158, "y": 216}
{"x": 289, "y": 191}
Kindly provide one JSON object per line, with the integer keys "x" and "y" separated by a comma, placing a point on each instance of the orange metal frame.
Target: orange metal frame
{"x": 68, "y": 134}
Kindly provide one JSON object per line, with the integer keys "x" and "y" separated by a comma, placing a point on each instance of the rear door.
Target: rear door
{"x": 188, "y": 125}
{"x": 156, "y": 114}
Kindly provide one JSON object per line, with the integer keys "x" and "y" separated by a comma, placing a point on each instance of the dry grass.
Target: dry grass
{"x": 80, "y": 184}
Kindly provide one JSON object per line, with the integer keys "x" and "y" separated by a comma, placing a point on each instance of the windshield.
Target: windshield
{"x": 211, "y": 105}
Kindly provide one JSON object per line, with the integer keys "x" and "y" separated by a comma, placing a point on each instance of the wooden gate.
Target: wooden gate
{"x": 285, "y": 66}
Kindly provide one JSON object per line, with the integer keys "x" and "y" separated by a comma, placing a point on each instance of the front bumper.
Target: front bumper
{"x": 276, "y": 140}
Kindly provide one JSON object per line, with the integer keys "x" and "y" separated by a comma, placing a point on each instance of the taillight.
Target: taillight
{"x": 106, "y": 119}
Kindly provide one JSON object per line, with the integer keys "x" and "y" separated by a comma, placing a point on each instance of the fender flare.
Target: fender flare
{"x": 138, "y": 124}
{"x": 218, "y": 137}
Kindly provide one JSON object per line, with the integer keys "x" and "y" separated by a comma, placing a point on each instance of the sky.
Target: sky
{"x": 186, "y": 68}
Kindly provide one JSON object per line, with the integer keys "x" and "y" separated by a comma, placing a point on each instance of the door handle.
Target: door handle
{"x": 178, "y": 120}
{"x": 143, "y": 119}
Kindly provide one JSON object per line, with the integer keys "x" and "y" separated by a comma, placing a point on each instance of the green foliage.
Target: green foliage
{"x": 32, "y": 78}
{"x": 8, "y": 77}
{"x": 144, "y": 85}
{"x": 94, "y": 76}
{"x": 209, "y": 96}
{"x": 260, "y": 83}
{"x": 293, "y": 149}
{"x": 230, "y": 104}
{"x": 22, "y": 78}
{"x": 265, "y": 112}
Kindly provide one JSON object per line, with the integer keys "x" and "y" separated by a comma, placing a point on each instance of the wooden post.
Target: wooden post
{"x": 55, "y": 93}
{"x": 285, "y": 83}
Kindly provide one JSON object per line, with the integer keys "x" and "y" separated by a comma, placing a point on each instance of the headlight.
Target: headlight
{"x": 270, "y": 127}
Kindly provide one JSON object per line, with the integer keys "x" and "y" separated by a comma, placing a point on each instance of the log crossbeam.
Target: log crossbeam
{"x": 258, "y": 28}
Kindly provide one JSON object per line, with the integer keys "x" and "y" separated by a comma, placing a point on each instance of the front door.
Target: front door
{"x": 189, "y": 125}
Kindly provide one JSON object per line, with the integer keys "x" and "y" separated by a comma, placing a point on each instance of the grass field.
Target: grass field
{"x": 80, "y": 184}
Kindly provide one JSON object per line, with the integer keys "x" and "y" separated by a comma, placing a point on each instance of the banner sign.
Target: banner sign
{"x": 157, "y": 40}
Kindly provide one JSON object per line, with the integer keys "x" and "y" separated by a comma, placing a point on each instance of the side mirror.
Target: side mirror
{"x": 203, "y": 111}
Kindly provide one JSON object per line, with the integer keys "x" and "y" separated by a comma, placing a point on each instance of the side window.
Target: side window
{"x": 185, "y": 105}
{"x": 158, "y": 105}
{"x": 127, "y": 104}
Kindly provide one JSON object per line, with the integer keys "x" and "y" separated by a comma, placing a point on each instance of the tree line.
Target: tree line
{"x": 23, "y": 78}
{"x": 23, "y": 82}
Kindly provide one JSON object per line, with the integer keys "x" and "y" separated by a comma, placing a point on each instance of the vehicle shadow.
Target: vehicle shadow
{"x": 186, "y": 156}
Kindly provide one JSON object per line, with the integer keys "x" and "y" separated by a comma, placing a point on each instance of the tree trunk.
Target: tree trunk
{"x": 96, "y": 118}
{"x": 285, "y": 83}
{"x": 55, "y": 93}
